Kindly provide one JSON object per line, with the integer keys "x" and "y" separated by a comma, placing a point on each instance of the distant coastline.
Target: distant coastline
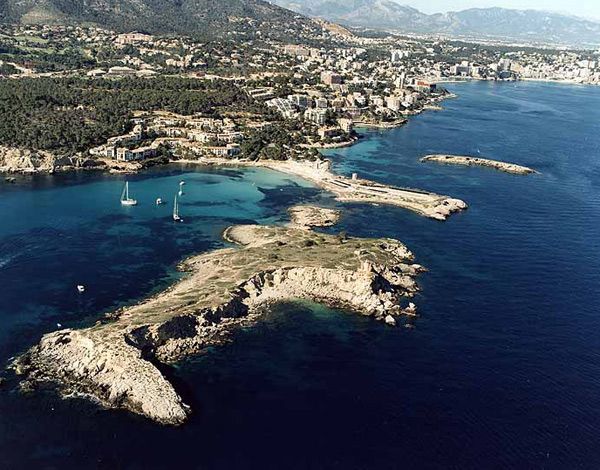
{"x": 543, "y": 80}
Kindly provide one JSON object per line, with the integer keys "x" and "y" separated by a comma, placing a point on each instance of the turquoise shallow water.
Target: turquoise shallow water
{"x": 65, "y": 230}
{"x": 502, "y": 369}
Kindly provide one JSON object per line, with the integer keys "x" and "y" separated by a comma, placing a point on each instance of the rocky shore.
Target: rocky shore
{"x": 312, "y": 216}
{"x": 24, "y": 161}
{"x": 381, "y": 125}
{"x": 14, "y": 160}
{"x": 335, "y": 145}
{"x": 115, "y": 361}
{"x": 476, "y": 161}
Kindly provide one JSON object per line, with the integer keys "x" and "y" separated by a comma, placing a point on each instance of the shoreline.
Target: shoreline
{"x": 381, "y": 125}
{"x": 565, "y": 81}
{"x": 346, "y": 189}
{"x": 427, "y": 204}
{"x": 113, "y": 362}
{"x": 41, "y": 161}
{"x": 334, "y": 145}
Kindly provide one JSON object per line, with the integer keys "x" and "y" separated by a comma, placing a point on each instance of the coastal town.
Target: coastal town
{"x": 320, "y": 90}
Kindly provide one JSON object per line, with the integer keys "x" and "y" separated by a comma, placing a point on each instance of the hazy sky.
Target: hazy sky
{"x": 583, "y": 8}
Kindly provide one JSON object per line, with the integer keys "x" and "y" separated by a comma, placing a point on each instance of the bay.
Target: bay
{"x": 501, "y": 370}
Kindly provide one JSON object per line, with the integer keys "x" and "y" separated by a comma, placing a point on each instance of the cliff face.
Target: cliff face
{"x": 14, "y": 160}
{"x": 108, "y": 369}
{"x": 114, "y": 361}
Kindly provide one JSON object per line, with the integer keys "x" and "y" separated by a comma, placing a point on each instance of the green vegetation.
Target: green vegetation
{"x": 7, "y": 69}
{"x": 201, "y": 18}
{"x": 43, "y": 57}
{"x": 70, "y": 115}
{"x": 274, "y": 142}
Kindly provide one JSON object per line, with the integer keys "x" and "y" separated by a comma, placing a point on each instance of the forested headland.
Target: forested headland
{"x": 70, "y": 115}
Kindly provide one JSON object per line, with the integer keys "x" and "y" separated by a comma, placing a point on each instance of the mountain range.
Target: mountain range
{"x": 196, "y": 17}
{"x": 482, "y": 23}
{"x": 287, "y": 18}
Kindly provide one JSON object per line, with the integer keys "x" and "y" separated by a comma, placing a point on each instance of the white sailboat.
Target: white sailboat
{"x": 125, "y": 199}
{"x": 176, "y": 217}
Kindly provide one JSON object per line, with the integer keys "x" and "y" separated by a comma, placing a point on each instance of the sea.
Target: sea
{"x": 501, "y": 370}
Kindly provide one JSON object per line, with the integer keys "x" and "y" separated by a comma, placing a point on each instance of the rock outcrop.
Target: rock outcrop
{"x": 14, "y": 160}
{"x": 477, "y": 161}
{"x": 312, "y": 216}
{"x": 115, "y": 361}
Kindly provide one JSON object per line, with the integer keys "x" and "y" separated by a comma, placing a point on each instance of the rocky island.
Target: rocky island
{"x": 476, "y": 161}
{"x": 312, "y": 216}
{"x": 117, "y": 362}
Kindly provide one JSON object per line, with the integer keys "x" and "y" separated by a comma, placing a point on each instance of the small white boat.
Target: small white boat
{"x": 81, "y": 288}
{"x": 180, "y": 192}
{"x": 158, "y": 201}
{"x": 125, "y": 199}
{"x": 176, "y": 217}
{"x": 181, "y": 183}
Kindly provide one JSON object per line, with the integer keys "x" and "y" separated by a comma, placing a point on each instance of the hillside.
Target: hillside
{"x": 197, "y": 17}
{"x": 482, "y": 23}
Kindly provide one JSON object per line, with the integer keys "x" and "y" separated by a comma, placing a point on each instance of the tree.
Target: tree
{"x": 330, "y": 117}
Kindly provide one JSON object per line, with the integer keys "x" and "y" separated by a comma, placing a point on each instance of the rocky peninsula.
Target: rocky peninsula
{"x": 354, "y": 189}
{"x": 117, "y": 362}
{"x": 476, "y": 161}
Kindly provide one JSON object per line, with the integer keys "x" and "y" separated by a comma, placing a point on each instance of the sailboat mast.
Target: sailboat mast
{"x": 125, "y": 200}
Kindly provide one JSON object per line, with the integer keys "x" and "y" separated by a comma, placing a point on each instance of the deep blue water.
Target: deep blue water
{"x": 502, "y": 369}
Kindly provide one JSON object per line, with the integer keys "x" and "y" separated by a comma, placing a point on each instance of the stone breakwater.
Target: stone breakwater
{"x": 116, "y": 360}
{"x": 476, "y": 161}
